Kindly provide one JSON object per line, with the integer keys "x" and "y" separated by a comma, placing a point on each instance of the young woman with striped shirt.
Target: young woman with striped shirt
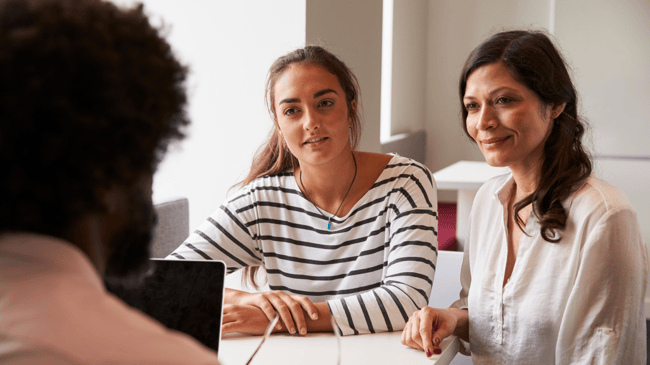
{"x": 339, "y": 232}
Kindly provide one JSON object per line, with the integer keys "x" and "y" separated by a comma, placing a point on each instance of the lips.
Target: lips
{"x": 493, "y": 142}
{"x": 315, "y": 140}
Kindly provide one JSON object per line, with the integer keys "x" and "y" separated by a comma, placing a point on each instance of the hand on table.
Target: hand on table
{"x": 427, "y": 327}
{"x": 289, "y": 307}
{"x": 244, "y": 319}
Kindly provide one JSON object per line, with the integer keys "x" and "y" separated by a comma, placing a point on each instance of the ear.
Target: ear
{"x": 353, "y": 105}
{"x": 277, "y": 126}
{"x": 557, "y": 109}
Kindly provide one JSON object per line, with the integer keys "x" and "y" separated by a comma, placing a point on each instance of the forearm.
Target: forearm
{"x": 232, "y": 296}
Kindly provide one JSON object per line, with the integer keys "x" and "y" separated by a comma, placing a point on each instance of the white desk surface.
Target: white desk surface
{"x": 466, "y": 175}
{"x": 321, "y": 349}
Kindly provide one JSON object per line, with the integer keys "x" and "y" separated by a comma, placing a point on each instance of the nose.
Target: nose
{"x": 311, "y": 120}
{"x": 486, "y": 119}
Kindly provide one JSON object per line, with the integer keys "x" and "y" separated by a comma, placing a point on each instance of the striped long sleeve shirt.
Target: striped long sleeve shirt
{"x": 375, "y": 267}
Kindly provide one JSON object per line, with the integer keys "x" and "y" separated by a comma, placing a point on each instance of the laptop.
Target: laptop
{"x": 184, "y": 295}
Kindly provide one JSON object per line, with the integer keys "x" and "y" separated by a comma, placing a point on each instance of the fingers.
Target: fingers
{"x": 427, "y": 326}
{"x": 269, "y": 310}
{"x": 415, "y": 337}
{"x": 424, "y": 331}
{"x": 307, "y": 305}
{"x": 444, "y": 330}
{"x": 410, "y": 334}
{"x": 229, "y": 328}
{"x": 290, "y": 308}
{"x": 290, "y": 312}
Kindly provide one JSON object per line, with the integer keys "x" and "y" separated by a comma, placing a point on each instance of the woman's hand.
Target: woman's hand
{"x": 427, "y": 328}
{"x": 244, "y": 319}
{"x": 289, "y": 307}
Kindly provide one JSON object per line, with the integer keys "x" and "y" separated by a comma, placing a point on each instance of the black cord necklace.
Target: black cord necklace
{"x": 329, "y": 220}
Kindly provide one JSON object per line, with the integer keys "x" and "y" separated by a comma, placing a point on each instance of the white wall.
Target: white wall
{"x": 409, "y": 55}
{"x": 352, "y": 31}
{"x": 607, "y": 42}
{"x": 229, "y": 46}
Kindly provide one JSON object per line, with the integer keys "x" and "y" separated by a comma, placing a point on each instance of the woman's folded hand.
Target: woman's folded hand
{"x": 427, "y": 328}
{"x": 289, "y": 306}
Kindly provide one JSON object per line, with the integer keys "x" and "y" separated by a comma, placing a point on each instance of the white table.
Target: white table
{"x": 321, "y": 349}
{"x": 466, "y": 177}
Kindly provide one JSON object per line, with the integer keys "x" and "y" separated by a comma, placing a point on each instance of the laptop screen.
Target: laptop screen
{"x": 183, "y": 295}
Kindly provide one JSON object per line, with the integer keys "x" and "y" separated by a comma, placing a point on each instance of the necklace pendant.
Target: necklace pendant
{"x": 329, "y": 224}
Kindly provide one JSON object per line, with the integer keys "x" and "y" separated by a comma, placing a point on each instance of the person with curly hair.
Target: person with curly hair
{"x": 555, "y": 270}
{"x": 91, "y": 96}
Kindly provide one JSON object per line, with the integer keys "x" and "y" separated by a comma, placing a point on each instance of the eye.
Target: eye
{"x": 503, "y": 100}
{"x": 326, "y": 103}
{"x": 471, "y": 106}
{"x": 289, "y": 111}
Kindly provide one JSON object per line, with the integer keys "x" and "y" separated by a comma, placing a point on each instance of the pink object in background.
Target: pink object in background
{"x": 447, "y": 226}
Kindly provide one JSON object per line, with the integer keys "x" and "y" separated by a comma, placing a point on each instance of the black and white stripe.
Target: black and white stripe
{"x": 374, "y": 267}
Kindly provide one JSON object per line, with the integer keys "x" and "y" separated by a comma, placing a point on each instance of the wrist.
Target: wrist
{"x": 233, "y": 296}
{"x": 462, "y": 323}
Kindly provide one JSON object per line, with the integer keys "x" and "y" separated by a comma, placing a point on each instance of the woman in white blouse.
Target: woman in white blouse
{"x": 554, "y": 270}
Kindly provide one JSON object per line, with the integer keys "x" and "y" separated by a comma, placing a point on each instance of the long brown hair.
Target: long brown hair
{"x": 274, "y": 156}
{"x": 534, "y": 61}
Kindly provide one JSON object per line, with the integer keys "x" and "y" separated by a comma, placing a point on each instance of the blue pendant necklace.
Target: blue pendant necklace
{"x": 329, "y": 220}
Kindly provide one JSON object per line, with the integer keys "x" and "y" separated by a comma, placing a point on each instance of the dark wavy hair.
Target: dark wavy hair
{"x": 90, "y": 97}
{"x": 534, "y": 62}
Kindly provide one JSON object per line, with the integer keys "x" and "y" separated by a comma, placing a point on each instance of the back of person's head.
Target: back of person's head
{"x": 534, "y": 61}
{"x": 91, "y": 96}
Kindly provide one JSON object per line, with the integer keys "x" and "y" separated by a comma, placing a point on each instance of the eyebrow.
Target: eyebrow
{"x": 323, "y": 92}
{"x": 495, "y": 91}
{"x": 316, "y": 95}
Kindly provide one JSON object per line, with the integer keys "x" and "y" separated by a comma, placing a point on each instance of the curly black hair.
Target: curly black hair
{"x": 91, "y": 95}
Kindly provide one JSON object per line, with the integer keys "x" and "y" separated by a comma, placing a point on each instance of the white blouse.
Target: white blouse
{"x": 578, "y": 301}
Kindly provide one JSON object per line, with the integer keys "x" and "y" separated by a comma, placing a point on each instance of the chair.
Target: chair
{"x": 173, "y": 226}
{"x": 446, "y": 284}
{"x": 446, "y": 288}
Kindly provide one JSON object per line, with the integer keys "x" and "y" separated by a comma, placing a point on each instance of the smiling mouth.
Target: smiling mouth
{"x": 494, "y": 142}
{"x": 315, "y": 140}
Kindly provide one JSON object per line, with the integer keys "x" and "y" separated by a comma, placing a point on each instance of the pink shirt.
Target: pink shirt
{"x": 54, "y": 309}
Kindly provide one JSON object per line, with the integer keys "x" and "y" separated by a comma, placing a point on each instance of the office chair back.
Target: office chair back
{"x": 172, "y": 228}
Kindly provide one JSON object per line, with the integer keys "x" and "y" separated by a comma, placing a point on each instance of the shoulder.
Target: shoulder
{"x": 76, "y": 323}
{"x": 597, "y": 197}
{"x": 277, "y": 180}
{"x": 403, "y": 166}
{"x": 600, "y": 216}
{"x": 265, "y": 187}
